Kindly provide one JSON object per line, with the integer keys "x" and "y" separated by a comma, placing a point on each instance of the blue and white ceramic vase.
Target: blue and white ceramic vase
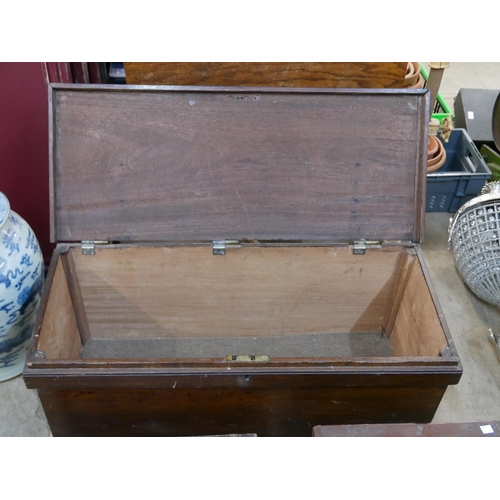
{"x": 21, "y": 282}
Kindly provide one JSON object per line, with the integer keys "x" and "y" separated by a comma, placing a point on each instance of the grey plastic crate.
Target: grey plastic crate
{"x": 460, "y": 179}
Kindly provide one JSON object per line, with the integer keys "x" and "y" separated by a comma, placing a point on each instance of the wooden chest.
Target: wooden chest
{"x": 235, "y": 261}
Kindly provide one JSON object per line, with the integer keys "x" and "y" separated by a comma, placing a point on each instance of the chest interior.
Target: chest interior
{"x": 280, "y": 302}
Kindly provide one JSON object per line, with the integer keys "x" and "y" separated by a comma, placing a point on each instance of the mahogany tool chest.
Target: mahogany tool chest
{"x": 237, "y": 260}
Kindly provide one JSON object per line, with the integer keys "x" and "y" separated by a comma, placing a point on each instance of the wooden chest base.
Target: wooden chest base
{"x": 256, "y": 265}
{"x": 270, "y": 340}
{"x": 267, "y": 412}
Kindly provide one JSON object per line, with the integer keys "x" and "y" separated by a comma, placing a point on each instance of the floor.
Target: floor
{"x": 475, "y": 398}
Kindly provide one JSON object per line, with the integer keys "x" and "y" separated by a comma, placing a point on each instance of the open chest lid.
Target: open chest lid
{"x": 135, "y": 163}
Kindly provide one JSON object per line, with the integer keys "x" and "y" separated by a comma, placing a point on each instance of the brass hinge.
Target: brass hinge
{"x": 359, "y": 246}
{"x": 88, "y": 246}
{"x": 219, "y": 246}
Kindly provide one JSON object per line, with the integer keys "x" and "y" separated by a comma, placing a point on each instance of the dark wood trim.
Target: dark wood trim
{"x": 245, "y": 379}
{"x": 76, "y": 296}
{"x": 273, "y": 363}
{"x": 421, "y": 172}
{"x": 235, "y": 90}
{"x": 251, "y": 377}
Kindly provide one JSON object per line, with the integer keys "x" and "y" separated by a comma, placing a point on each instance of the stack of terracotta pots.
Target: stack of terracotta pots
{"x": 413, "y": 78}
{"x": 436, "y": 154}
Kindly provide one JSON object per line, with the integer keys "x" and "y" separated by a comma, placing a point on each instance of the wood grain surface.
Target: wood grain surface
{"x": 291, "y": 74}
{"x": 76, "y": 296}
{"x": 131, "y": 164}
{"x": 292, "y": 411}
{"x": 59, "y": 336}
{"x": 394, "y": 302}
{"x": 417, "y": 329}
{"x": 161, "y": 292}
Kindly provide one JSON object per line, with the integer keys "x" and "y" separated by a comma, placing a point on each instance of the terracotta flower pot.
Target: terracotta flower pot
{"x": 438, "y": 159}
{"x": 412, "y": 74}
{"x": 419, "y": 84}
{"x": 432, "y": 147}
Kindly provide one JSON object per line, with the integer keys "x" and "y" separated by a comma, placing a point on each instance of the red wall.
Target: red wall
{"x": 24, "y": 171}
